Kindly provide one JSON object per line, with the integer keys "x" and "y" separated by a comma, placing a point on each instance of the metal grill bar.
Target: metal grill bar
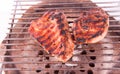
{"x": 62, "y": 4}
{"x": 57, "y": 62}
{"x": 115, "y": 10}
{"x": 28, "y": 33}
{"x": 100, "y": 2}
{"x": 16, "y": 50}
{"x": 2, "y": 50}
{"x": 18, "y": 33}
{"x": 67, "y": 8}
{"x": 30, "y": 38}
{"x": 16, "y": 56}
{"x": 17, "y": 39}
{"x": 113, "y": 24}
{"x": 17, "y": 44}
{"x": 36, "y": 13}
{"x": 25, "y": 28}
{"x": 33, "y": 69}
{"x": 47, "y": 69}
{"x": 67, "y": 17}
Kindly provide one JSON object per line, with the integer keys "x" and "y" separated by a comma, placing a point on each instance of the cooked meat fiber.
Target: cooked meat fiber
{"x": 91, "y": 26}
{"x": 51, "y": 31}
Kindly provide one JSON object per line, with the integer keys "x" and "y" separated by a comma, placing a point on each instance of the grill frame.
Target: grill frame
{"x": 9, "y": 42}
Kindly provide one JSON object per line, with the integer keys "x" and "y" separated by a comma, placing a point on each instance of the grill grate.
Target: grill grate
{"x": 23, "y": 55}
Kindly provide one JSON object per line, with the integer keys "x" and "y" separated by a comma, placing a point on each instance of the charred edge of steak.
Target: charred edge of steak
{"x": 51, "y": 50}
{"x": 39, "y": 38}
{"x": 80, "y": 39}
{"x": 49, "y": 12}
{"x": 97, "y": 34}
{"x": 48, "y": 45}
{"x": 63, "y": 52}
{"x": 50, "y": 15}
{"x": 43, "y": 41}
{"x": 56, "y": 16}
{"x": 59, "y": 19}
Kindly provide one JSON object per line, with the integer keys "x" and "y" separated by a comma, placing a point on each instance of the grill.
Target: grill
{"x": 22, "y": 54}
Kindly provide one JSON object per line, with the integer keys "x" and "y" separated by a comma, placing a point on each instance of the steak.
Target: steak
{"x": 51, "y": 31}
{"x": 91, "y": 26}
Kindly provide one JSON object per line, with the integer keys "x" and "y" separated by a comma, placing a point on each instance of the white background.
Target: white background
{"x": 5, "y": 10}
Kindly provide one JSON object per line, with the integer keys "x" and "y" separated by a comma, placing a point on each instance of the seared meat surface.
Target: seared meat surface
{"x": 91, "y": 26}
{"x": 51, "y": 31}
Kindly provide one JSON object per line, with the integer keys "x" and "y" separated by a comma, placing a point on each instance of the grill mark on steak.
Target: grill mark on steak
{"x": 61, "y": 26}
{"x": 104, "y": 20}
{"x": 97, "y": 34}
{"x": 59, "y": 21}
{"x": 80, "y": 39}
{"x": 48, "y": 43}
{"x": 62, "y": 32}
{"x": 62, "y": 53}
{"x": 98, "y": 16}
{"x": 87, "y": 20}
{"x": 53, "y": 48}
{"x": 85, "y": 27}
